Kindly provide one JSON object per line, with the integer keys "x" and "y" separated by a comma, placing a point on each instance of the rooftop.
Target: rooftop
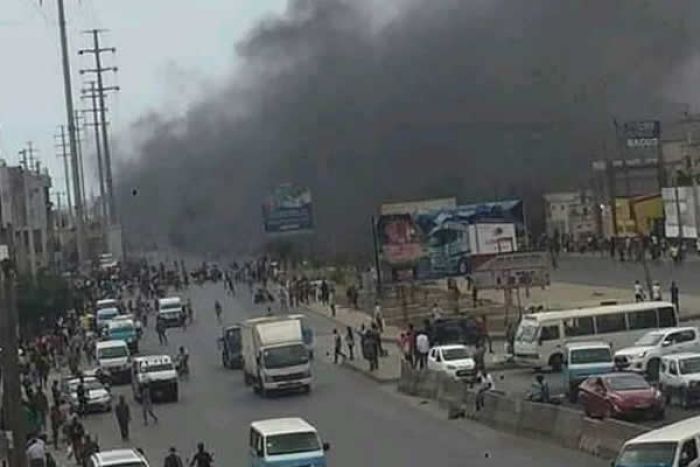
{"x": 278, "y": 426}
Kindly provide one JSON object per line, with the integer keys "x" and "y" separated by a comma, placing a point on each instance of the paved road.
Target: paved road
{"x": 602, "y": 271}
{"x": 365, "y": 423}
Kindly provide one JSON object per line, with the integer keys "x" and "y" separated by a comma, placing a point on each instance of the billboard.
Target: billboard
{"x": 679, "y": 199}
{"x": 288, "y": 209}
{"x": 642, "y": 133}
{"x": 445, "y": 242}
{"x": 527, "y": 269}
{"x": 412, "y": 207}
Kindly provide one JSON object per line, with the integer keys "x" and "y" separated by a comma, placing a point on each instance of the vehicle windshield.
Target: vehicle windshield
{"x": 88, "y": 384}
{"x": 129, "y": 464}
{"x": 526, "y": 332}
{"x": 292, "y": 443}
{"x": 689, "y": 365}
{"x": 280, "y": 357}
{"x": 170, "y": 308}
{"x": 647, "y": 454}
{"x": 627, "y": 382}
{"x": 112, "y": 352}
{"x": 653, "y": 338}
{"x": 158, "y": 367}
{"x": 121, "y": 326}
{"x": 107, "y": 313}
{"x": 459, "y": 353}
{"x": 583, "y": 356}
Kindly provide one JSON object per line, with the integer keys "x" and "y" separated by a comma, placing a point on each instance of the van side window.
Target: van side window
{"x": 645, "y": 319}
{"x": 549, "y": 333}
{"x": 683, "y": 336}
{"x": 667, "y": 317}
{"x": 689, "y": 452}
{"x": 579, "y": 326}
{"x": 611, "y": 323}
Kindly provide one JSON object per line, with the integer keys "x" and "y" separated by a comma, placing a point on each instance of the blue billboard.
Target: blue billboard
{"x": 288, "y": 209}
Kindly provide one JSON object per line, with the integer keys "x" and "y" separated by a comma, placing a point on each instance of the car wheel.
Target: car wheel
{"x": 307, "y": 389}
{"x": 659, "y": 414}
{"x": 587, "y": 412}
{"x": 573, "y": 394}
{"x": 653, "y": 369}
{"x": 175, "y": 396}
{"x": 556, "y": 361}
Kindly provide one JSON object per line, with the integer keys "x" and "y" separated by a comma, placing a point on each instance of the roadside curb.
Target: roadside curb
{"x": 373, "y": 376}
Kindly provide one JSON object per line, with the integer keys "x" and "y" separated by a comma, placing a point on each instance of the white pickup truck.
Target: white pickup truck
{"x": 679, "y": 378}
{"x": 274, "y": 354}
{"x": 645, "y": 355}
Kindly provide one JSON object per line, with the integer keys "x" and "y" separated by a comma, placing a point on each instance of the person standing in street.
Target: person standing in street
{"x": 172, "y": 459}
{"x": 675, "y": 297}
{"x": 338, "y": 347}
{"x": 218, "y": 310}
{"x": 638, "y": 292}
{"x": 350, "y": 341}
{"x": 147, "y": 403}
{"x": 656, "y": 292}
{"x": 160, "y": 329}
{"x": 123, "y": 414}
{"x": 56, "y": 420}
{"x": 422, "y": 349}
{"x": 201, "y": 458}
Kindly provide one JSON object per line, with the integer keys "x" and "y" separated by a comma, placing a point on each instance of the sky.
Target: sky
{"x": 168, "y": 53}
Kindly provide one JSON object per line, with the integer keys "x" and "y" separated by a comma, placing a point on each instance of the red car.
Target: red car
{"x": 620, "y": 395}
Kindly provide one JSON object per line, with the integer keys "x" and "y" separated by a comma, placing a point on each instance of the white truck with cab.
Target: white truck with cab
{"x": 274, "y": 354}
{"x": 645, "y": 355}
{"x": 679, "y": 378}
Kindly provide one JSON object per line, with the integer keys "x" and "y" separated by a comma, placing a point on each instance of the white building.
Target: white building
{"x": 570, "y": 213}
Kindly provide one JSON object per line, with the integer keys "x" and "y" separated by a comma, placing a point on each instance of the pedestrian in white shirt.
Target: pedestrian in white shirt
{"x": 485, "y": 384}
{"x": 36, "y": 453}
{"x": 656, "y": 292}
{"x": 422, "y": 348}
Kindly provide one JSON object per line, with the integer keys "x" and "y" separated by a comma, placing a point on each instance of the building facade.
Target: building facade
{"x": 571, "y": 214}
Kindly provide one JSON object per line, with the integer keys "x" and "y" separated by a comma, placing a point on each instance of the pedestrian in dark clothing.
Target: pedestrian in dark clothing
{"x": 675, "y": 297}
{"x": 350, "y": 341}
{"x": 55, "y": 393}
{"x": 201, "y": 458}
{"x": 160, "y": 329}
{"x": 41, "y": 404}
{"x": 91, "y": 447}
{"x": 76, "y": 431}
{"x": 82, "y": 397}
{"x": 147, "y": 403}
{"x": 57, "y": 420}
{"x": 172, "y": 459}
{"x": 123, "y": 414}
{"x": 337, "y": 347}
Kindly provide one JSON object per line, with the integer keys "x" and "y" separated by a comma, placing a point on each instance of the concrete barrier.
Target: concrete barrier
{"x": 562, "y": 425}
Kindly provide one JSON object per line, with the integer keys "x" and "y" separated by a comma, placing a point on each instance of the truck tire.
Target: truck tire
{"x": 307, "y": 389}
{"x": 175, "y": 396}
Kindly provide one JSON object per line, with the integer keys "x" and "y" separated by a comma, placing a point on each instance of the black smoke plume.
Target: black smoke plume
{"x": 480, "y": 99}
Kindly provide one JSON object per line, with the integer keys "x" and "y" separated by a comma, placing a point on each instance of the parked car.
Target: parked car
{"x": 679, "y": 378}
{"x": 583, "y": 360}
{"x": 645, "y": 355}
{"x": 118, "y": 458}
{"x": 621, "y": 395}
{"x": 453, "y": 360}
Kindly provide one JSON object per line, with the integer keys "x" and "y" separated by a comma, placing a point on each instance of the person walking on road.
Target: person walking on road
{"x": 147, "y": 403}
{"x": 56, "y": 419}
{"x": 675, "y": 297}
{"x": 638, "y": 292}
{"x": 422, "y": 349}
{"x": 218, "y": 310}
{"x": 338, "y": 347}
{"x": 485, "y": 385}
{"x": 656, "y": 292}
{"x": 172, "y": 459}
{"x": 350, "y": 341}
{"x": 201, "y": 458}
{"x": 123, "y": 414}
{"x": 160, "y": 329}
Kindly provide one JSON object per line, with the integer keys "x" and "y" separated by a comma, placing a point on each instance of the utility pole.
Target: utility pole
{"x": 91, "y": 93}
{"x": 70, "y": 113}
{"x": 101, "y": 89}
{"x": 28, "y": 211}
{"x": 64, "y": 155}
{"x": 79, "y": 141}
{"x": 12, "y": 389}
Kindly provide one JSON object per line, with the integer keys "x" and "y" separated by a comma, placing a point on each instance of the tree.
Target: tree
{"x": 41, "y": 301}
